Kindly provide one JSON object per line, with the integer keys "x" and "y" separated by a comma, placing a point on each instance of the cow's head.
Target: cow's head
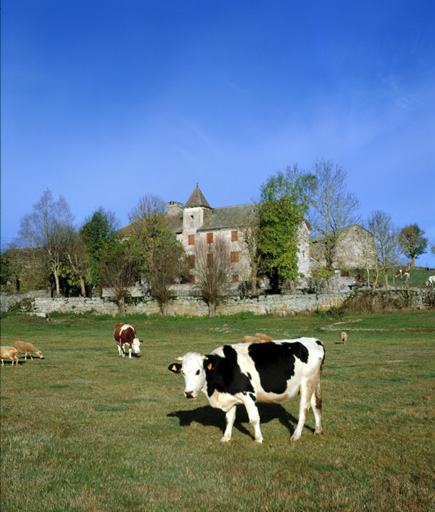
{"x": 40, "y": 354}
{"x": 192, "y": 368}
{"x": 135, "y": 345}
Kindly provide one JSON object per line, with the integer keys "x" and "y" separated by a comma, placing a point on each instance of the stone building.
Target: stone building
{"x": 196, "y": 220}
{"x": 356, "y": 248}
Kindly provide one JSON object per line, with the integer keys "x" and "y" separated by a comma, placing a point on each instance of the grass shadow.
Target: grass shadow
{"x": 210, "y": 417}
{"x": 20, "y": 362}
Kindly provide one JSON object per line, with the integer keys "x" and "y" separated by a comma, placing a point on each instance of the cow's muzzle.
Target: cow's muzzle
{"x": 189, "y": 395}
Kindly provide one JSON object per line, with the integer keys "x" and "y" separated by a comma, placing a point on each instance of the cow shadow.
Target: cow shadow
{"x": 210, "y": 417}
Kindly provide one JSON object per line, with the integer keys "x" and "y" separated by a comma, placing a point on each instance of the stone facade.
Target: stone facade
{"x": 356, "y": 248}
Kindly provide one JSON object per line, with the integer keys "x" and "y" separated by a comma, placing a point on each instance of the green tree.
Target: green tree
{"x": 76, "y": 261}
{"x": 413, "y": 242}
{"x": 99, "y": 235}
{"x": 160, "y": 256}
{"x": 285, "y": 199}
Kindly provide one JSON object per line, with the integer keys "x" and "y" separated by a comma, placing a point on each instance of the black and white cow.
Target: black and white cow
{"x": 248, "y": 373}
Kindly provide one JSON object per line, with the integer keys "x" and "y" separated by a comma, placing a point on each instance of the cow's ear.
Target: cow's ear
{"x": 174, "y": 368}
{"x": 141, "y": 341}
{"x": 209, "y": 364}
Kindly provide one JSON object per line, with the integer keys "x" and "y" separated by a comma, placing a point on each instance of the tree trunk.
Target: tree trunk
{"x": 212, "y": 309}
{"x": 121, "y": 306}
{"x": 413, "y": 262}
{"x": 164, "y": 308}
{"x": 56, "y": 281}
{"x": 82, "y": 286}
{"x": 254, "y": 279}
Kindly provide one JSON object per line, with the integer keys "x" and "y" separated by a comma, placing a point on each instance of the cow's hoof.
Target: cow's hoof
{"x": 294, "y": 438}
{"x": 318, "y": 433}
{"x": 225, "y": 439}
{"x": 259, "y": 440}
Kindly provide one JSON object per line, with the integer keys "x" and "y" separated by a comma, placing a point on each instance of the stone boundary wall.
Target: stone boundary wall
{"x": 281, "y": 305}
{"x": 193, "y": 306}
{"x": 8, "y": 300}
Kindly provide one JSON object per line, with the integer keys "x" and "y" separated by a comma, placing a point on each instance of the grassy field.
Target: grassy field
{"x": 86, "y": 430}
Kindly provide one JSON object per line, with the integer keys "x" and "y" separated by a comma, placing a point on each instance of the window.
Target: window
{"x": 234, "y": 256}
{"x": 192, "y": 279}
{"x": 209, "y": 238}
{"x": 191, "y": 240}
{"x": 234, "y": 236}
{"x": 191, "y": 259}
{"x": 235, "y": 279}
{"x": 209, "y": 260}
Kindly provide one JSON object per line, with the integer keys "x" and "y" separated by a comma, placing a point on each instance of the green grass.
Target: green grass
{"x": 87, "y": 430}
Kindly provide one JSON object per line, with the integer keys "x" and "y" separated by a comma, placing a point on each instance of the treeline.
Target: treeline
{"x": 51, "y": 252}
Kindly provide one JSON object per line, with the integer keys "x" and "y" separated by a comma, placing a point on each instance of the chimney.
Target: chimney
{"x": 175, "y": 208}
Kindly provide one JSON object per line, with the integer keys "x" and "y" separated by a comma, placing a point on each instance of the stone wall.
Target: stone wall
{"x": 282, "y": 305}
{"x": 8, "y": 300}
{"x": 195, "y": 306}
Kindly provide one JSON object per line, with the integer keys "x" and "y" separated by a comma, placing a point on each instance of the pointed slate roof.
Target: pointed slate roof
{"x": 197, "y": 199}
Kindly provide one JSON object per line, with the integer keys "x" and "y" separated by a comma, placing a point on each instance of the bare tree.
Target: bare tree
{"x": 333, "y": 208}
{"x": 387, "y": 243}
{"x": 46, "y": 229}
{"x": 212, "y": 270}
{"x": 250, "y": 229}
{"x": 120, "y": 273}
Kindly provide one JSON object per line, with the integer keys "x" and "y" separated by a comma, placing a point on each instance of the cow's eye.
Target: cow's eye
{"x": 198, "y": 372}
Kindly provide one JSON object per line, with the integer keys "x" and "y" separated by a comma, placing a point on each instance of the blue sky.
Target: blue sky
{"x": 104, "y": 102}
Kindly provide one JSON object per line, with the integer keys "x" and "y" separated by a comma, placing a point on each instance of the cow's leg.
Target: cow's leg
{"x": 316, "y": 404}
{"x": 31, "y": 356}
{"x": 229, "y": 417}
{"x": 129, "y": 352}
{"x": 120, "y": 352}
{"x": 254, "y": 417}
{"x": 306, "y": 391}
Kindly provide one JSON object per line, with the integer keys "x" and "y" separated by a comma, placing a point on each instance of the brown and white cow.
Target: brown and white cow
{"x": 403, "y": 273}
{"x": 430, "y": 281}
{"x": 125, "y": 334}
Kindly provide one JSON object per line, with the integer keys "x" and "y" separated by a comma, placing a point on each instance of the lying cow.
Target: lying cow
{"x": 257, "y": 372}
{"x": 125, "y": 334}
{"x": 430, "y": 281}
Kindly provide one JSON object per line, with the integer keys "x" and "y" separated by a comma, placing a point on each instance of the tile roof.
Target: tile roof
{"x": 226, "y": 217}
